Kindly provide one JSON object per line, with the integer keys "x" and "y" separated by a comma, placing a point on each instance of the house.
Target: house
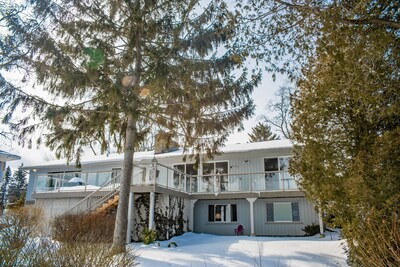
{"x": 248, "y": 184}
{"x": 4, "y": 157}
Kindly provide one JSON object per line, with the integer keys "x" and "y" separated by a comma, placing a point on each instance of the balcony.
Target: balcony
{"x": 173, "y": 179}
{"x": 166, "y": 177}
{"x": 73, "y": 181}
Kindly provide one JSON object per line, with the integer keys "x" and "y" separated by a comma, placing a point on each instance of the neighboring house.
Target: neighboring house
{"x": 248, "y": 185}
{"x": 4, "y": 157}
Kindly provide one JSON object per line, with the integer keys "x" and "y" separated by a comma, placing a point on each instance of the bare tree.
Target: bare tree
{"x": 278, "y": 111}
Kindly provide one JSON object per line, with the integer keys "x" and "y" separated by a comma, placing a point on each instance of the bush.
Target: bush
{"x": 149, "y": 236}
{"x": 83, "y": 254}
{"x": 22, "y": 244}
{"x": 172, "y": 245}
{"x": 311, "y": 230}
{"x": 83, "y": 227}
{"x": 20, "y": 240}
{"x": 377, "y": 241}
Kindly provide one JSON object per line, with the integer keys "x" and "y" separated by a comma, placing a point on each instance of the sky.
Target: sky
{"x": 261, "y": 95}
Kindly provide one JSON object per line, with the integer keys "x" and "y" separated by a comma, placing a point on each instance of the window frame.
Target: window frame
{"x": 295, "y": 211}
{"x": 218, "y": 183}
{"x": 186, "y": 184}
{"x": 229, "y": 213}
{"x": 278, "y": 159}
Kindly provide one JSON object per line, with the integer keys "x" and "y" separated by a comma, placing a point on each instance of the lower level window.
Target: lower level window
{"x": 222, "y": 213}
{"x": 283, "y": 212}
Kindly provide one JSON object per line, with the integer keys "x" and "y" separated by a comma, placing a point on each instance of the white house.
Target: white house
{"x": 248, "y": 185}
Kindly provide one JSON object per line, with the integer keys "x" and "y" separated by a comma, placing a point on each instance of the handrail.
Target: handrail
{"x": 111, "y": 182}
{"x": 279, "y": 180}
{"x": 107, "y": 194}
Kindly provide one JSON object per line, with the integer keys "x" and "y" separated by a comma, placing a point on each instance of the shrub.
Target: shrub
{"x": 172, "y": 244}
{"x": 311, "y": 230}
{"x": 377, "y": 241}
{"x": 83, "y": 227}
{"x": 149, "y": 236}
{"x": 22, "y": 244}
{"x": 83, "y": 254}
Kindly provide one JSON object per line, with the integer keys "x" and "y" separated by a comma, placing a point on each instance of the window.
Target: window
{"x": 277, "y": 175}
{"x": 187, "y": 169}
{"x": 271, "y": 169}
{"x": 283, "y": 212}
{"x": 271, "y": 165}
{"x": 212, "y": 182}
{"x": 222, "y": 213}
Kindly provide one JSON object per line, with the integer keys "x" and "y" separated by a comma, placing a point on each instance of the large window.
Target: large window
{"x": 222, "y": 213}
{"x": 185, "y": 181}
{"x": 277, "y": 175}
{"x": 215, "y": 176}
{"x": 283, "y": 212}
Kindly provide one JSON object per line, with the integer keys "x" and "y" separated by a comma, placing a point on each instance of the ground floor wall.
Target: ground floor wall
{"x": 203, "y": 225}
{"x": 53, "y": 207}
{"x": 264, "y": 223}
{"x": 173, "y": 214}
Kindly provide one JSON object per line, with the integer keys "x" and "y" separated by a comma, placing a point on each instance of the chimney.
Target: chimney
{"x": 164, "y": 143}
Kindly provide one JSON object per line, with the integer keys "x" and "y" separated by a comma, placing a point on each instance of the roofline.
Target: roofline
{"x": 149, "y": 155}
{"x": 6, "y": 156}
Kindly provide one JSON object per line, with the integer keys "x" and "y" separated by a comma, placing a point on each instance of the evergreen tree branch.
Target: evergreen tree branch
{"x": 358, "y": 21}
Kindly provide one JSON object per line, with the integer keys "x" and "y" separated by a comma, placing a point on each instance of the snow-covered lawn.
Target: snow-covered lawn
{"x": 210, "y": 250}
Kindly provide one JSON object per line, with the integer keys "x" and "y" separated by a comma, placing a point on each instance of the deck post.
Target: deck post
{"x": 321, "y": 223}
{"x": 154, "y": 171}
{"x": 191, "y": 214}
{"x": 251, "y": 201}
{"x": 151, "y": 211}
{"x": 131, "y": 207}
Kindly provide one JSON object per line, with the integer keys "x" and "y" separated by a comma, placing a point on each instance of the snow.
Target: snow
{"x": 149, "y": 155}
{"x": 79, "y": 188}
{"x": 242, "y": 251}
{"x": 6, "y": 156}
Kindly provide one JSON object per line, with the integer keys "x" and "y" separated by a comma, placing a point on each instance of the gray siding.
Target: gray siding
{"x": 262, "y": 227}
{"x": 201, "y": 224}
{"x": 53, "y": 207}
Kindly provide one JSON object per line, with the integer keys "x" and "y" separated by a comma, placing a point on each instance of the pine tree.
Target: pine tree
{"x": 117, "y": 64}
{"x": 17, "y": 185}
{"x": 262, "y": 132}
{"x": 4, "y": 189}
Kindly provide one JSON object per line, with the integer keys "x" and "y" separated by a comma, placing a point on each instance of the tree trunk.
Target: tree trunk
{"x": 121, "y": 221}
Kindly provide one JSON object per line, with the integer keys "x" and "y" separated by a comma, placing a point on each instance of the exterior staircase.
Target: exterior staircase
{"x": 104, "y": 198}
{"x": 107, "y": 206}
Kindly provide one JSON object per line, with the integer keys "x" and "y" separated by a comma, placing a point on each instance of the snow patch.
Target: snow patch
{"x": 234, "y": 251}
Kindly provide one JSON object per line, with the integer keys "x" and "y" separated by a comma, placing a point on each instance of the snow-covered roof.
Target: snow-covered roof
{"x": 148, "y": 155}
{"x": 5, "y": 156}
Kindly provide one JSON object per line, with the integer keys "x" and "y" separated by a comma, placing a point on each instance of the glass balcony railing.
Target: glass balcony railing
{"x": 72, "y": 181}
{"x": 170, "y": 178}
{"x": 215, "y": 183}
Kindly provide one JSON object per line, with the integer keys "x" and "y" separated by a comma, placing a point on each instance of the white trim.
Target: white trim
{"x": 228, "y": 213}
{"x": 252, "y": 200}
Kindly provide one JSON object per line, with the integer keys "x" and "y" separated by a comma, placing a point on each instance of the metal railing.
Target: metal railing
{"x": 98, "y": 197}
{"x": 103, "y": 194}
{"x": 73, "y": 181}
{"x": 173, "y": 179}
{"x": 170, "y": 178}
